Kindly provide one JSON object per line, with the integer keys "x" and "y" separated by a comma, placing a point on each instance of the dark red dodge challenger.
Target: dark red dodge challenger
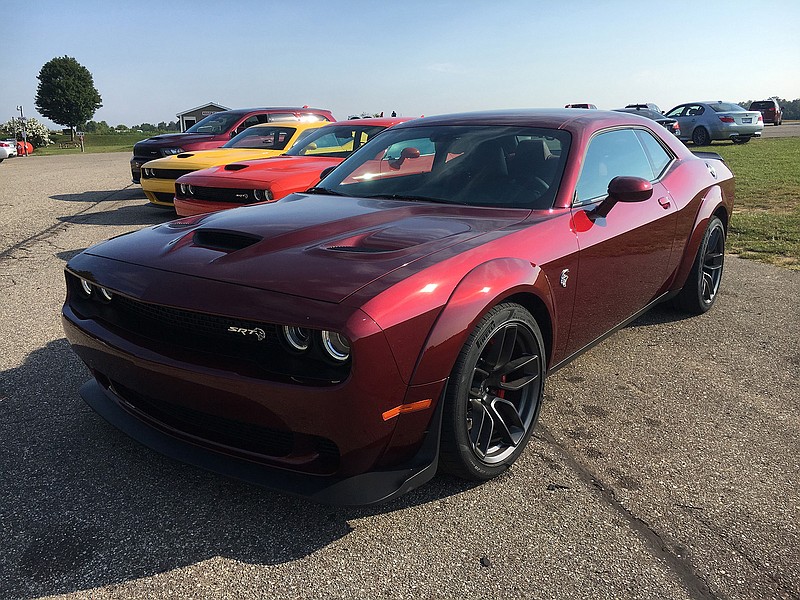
{"x": 346, "y": 342}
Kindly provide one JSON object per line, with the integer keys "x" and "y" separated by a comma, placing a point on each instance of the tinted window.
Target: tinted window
{"x": 217, "y": 123}
{"x": 726, "y": 107}
{"x": 283, "y": 117}
{"x": 474, "y": 165}
{"x": 659, "y": 158}
{"x": 263, "y": 137}
{"x": 335, "y": 140}
{"x": 610, "y": 155}
{"x": 676, "y": 112}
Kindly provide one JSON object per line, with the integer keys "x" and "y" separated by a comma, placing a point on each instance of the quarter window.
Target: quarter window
{"x": 610, "y": 155}
{"x": 659, "y": 158}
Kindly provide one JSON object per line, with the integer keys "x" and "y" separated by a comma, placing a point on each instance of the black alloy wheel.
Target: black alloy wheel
{"x": 700, "y": 137}
{"x": 494, "y": 394}
{"x": 702, "y": 285}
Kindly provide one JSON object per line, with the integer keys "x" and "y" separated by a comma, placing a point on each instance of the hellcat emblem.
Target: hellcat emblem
{"x": 564, "y": 277}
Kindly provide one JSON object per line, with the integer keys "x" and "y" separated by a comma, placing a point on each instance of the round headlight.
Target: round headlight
{"x": 336, "y": 345}
{"x": 298, "y": 338}
{"x": 86, "y": 287}
{"x": 183, "y": 188}
{"x": 105, "y": 294}
{"x": 259, "y": 195}
{"x": 190, "y": 189}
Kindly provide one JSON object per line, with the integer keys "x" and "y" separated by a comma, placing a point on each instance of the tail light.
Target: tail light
{"x": 728, "y": 119}
{"x": 760, "y": 119}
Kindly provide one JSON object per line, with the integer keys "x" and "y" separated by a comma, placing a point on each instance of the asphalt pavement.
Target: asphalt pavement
{"x": 664, "y": 465}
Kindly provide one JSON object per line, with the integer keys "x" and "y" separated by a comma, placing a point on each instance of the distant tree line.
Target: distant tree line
{"x": 791, "y": 108}
{"x": 103, "y": 127}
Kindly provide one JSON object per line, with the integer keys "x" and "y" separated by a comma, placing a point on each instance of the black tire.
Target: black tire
{"x": 700, "y": 137}
{"x": 700, "y": 291}
{"x": 494, "y": 394}
{"x": 740, "y": 140}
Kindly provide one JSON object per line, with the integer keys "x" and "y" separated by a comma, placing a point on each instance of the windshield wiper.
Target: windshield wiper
{"x": 411, "y": 198}
{"x": 322, "y": 190}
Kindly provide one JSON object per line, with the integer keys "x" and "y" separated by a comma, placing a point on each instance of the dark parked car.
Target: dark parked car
{"x": 214, "y": 131}
{"x": 670, "y": 124}
{"x": 402, "y": 315}
{"x": 581, "y": 105}
{"x": 647, "y": 105}
{"x": 703, "y": 122}
{"x": 770, "y": 111}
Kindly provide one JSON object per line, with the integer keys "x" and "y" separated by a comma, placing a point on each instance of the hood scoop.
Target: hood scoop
{"x": 412, "y": 232}
{"x": 235, "y": 167}
{"x": 223, "y": 240}
{"x": 185, "y": 155}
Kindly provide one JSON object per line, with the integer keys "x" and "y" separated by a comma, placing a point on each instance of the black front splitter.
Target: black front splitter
{"x": 367, "y": 488}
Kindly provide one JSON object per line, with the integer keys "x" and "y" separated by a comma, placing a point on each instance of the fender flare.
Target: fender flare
{"x": 485, "y": 286}
{"x": 713, "y": 204}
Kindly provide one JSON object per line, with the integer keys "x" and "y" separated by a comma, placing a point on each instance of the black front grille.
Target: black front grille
{"x": 249, "y": 437}
{"x": 164, "y": 197}
{"x": 167, "y": 323}
{"x": 145, "y": 154}
{"x": 214, "y": 194}
{"x": 242, "y": 346}
{"x": 173, "y": 174}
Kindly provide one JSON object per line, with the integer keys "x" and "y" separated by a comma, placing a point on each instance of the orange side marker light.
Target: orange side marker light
{"x": 406, "y": 408}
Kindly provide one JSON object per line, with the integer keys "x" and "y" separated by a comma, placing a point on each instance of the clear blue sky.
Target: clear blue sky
{"x": 152, "y": 59}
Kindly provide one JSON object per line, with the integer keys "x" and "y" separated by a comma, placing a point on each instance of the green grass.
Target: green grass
{"x": 766, "y": 218}
{"x": 94, "y": 143}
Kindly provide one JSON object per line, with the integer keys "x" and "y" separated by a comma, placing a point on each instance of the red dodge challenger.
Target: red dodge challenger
{"x": 402, "y": 316}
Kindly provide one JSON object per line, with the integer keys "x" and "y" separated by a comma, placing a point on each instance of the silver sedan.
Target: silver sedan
{"x": 703, "y": 122}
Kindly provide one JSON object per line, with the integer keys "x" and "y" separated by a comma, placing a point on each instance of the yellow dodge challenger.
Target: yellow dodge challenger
{"x": 259, "y": 141}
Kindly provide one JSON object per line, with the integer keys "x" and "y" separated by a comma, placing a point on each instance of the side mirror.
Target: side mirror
{"x": 624, "y": 189}
{"x": 326, "y": 172}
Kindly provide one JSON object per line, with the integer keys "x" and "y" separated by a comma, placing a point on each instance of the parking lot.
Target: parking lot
{"x": 664, "y": 465}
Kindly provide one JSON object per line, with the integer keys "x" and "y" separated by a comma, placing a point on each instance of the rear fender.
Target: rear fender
{"x": 713, "y": 203}
{"x": 482, "y": 288}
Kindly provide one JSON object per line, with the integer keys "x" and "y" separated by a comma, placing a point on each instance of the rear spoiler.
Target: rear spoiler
{"x": 706, "y": 155}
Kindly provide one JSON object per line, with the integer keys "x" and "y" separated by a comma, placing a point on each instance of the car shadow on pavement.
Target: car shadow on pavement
{"x": 125, "y": 215}
{"x": 128, "y": 193}
{"x": 84, "y": 506}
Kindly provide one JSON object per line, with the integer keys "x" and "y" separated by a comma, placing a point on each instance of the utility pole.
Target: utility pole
{"x": 24, "y": 133}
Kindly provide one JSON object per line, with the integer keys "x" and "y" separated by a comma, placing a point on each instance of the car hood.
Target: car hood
{"x": 174, "y": 139}
{"x": 320, "y": 247}
{"x": 263, "y": 171}
{"x": 202, "y": 159}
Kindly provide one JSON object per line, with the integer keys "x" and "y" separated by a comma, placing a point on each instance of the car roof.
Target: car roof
{"x": 385, "y": 121}
{"x": 297, "y": 109}
{"x": 552, "y": 118}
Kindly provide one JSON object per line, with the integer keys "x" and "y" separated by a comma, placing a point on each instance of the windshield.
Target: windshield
{"x": 217, "y": 123}
{"x": 336, "y": 141}
{"x": 263, "y": 137}
{"x": 726, "y": 107}
{"x": 499, "y": 166}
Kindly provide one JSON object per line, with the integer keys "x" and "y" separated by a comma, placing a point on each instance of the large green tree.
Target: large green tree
{"x": 66, "y": 94}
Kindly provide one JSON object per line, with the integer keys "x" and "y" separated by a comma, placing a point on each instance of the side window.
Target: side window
{"x": 283, "y": 117}
{"x": 694, "y": 110}
{"x": 676, "y": 112}
{"x": 610, "y": 155}
{"x": 248, "y": 122}
{"x": 659, "y": 158}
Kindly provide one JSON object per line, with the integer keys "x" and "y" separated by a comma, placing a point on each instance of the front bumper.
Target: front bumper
{"x": 366, "y": 488}
{"x": 136, "y": 169}
{"x": 160, "y": 192}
